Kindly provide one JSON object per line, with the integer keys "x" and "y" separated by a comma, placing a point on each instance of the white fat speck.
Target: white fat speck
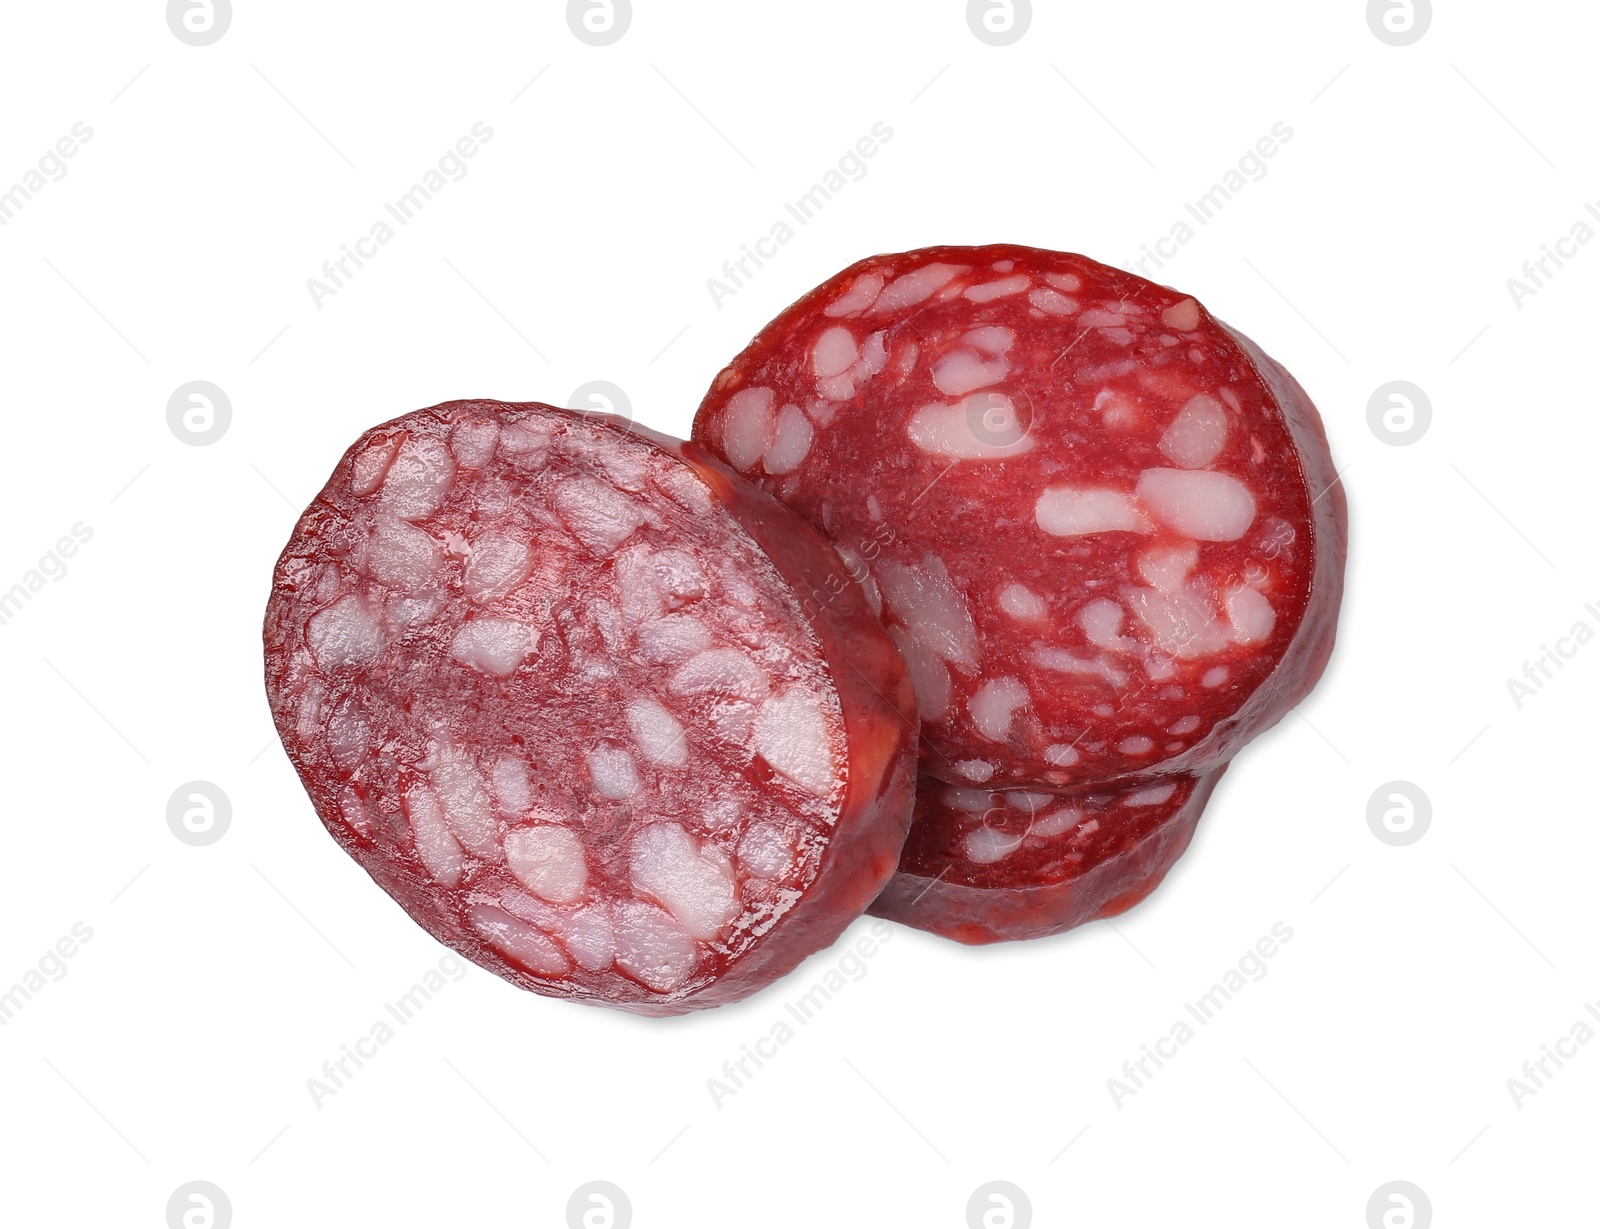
{"x": 994, "y": 705}
{"x": 613, "y": 772}
{"x": 525, "y": 442}
{"x": 415, "y": 609}
{"x": 1167, "y": 567}
{"x": 436, "y": 847}
{"x": 1121, "y": 337}
{"x": 722, "y": 671}
{"x": 1214, "y": 677}
{"x": 686, "y": 490}
{"x": 1024, "y": 800}
{"x": 1200, "y": 504}
{"x": 1065, "y": 281}
{"x": 834, "y": 352}
{"x": 927, "y": 601}
{"x": 929, "y": 676}
{"x": 495, "y": 646}
{"x": 418, "y": 479}
{"x": 673, "y": 638}
{"x": 1068, "y": 512}
{"x": 498, "y": 564}
{"x": 658, "y": 734}
{"x": 517, "y": 941}
{"x": 651, "y": 947}
{"x": 473, "y": 440}
{"x": 354, "y": 812}
{"x": 651, "y": 581}
{"x": 972, "y": 801}
{"x": 873, "y": 354}
{"x": 1197, "y": 435}
{"x": 837, "y": 388}
{"x": 1183, "y": 316}
{"x": 1138, "y": 744}
{"x": 1003, "y": 266}
{"x": 1021, "y": 602}
{"x": 401, "y": 555}
{"x": 1063, "y": 662}
{"x": 371, "y": 465}
{"x": 961, "y": 372}
{"x": 465, "y": 797}
{"x": 694, "y": 884}
{"x": 874, "y": 509}
{"x": 1097, "y": 318}
{"x": 857, "y": 569}
{"x": 1186, "y": 725}
{"x": 912, "y": 288}
{"x": 1061, "y": 755}
{"x": 587, "y": 934}
{"x": 764, "y": 851}
{"x": 1159, "y": 668}
{"x": 985, "y": 291}
{"x": 974, "y": 770}
{"x": 1155, "y": 795}
{"x": 1116, "y": 411}
{"x": 991, "y": 339}
{"x": 601, "y": 517}
{"x": 1101, "y": 621}
{"x": 511, "y": 788}
{"x": 1181, "y": 624}
{"x": 1057, "y": 822}
{"x": 984, "y": 427}
{"x": 549, "y": 860}
{"x": 348, "y": 633}
{"x": 791, "y": 734}
{"x": 747, "y": 426}
{"x": 790, "y": 442}
{"x": 1250, "y": 614}
{"x": 858, "y": 298}
{"x": 720, "y": 814}
{"x": 1052, "y": 302}
{"x": 985, "y": 845}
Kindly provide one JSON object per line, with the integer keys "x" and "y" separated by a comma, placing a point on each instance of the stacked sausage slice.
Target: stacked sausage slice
{"x": 634, "y": 721}
{"x": 1104, "y": 529}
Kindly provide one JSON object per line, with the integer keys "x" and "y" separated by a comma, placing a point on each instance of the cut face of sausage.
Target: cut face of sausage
{"x": 1105, "y": 529}
{"x": 557, "y": 684}
{"x": 983, "y": 867}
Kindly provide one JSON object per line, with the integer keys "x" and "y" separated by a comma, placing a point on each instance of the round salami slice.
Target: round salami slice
{"x": 550, "y": 680}
{"x": 1103, "y": 527}
{"x": 983, "y": 867}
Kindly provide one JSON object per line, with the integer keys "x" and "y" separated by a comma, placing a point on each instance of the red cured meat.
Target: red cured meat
{"x": 1103, "y": 527}
{"x": 983, "y": 867}
{"x": 548, "y": 678}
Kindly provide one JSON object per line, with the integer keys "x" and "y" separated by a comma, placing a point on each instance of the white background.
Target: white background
{"x": 178, "y": 247}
